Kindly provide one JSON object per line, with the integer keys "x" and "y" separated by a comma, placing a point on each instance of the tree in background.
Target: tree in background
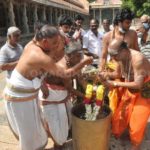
{"x": 140, "y": 7}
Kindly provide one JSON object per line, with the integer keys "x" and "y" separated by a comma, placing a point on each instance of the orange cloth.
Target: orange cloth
{"x": 133, "y": 111}
{"x": 113, "y": 99}
{"x": 114, "y": 92}
{"x": 115, "y": 95}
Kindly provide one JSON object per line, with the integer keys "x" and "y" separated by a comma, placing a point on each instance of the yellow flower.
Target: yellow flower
{"x": 89, "y": 91}
{"x": 100, "y": 92}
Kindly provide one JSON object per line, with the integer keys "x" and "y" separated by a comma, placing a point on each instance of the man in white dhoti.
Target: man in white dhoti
{"x": 21, "y": 92}
{"x": 56, "y": 108}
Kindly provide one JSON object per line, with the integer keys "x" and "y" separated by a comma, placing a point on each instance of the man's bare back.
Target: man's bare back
{"x": 139, "y": 62}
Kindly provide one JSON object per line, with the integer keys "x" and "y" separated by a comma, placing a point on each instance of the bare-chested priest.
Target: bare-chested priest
{"x": 121, "y": 31}
{"x": 20, "y": 94}
{"x": 133, "y": 108}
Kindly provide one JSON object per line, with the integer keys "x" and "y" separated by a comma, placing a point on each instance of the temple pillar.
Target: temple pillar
{"x": 100, "y": 16}
{"x": 51, "y": 15}
{"x": 56, "y": 16}
{"x": 113, "y": 14}
{"x": 35, "y": 16}
{"x": 11, "y": 14}
{"x": 25, "y": 19}
{"x": 64, "y": 12}
{"x": 94, "y": 13}
{"x": 43, "y": 14}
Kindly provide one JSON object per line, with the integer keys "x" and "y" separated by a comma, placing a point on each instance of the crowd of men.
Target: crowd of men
{"x": 39, "y": 77}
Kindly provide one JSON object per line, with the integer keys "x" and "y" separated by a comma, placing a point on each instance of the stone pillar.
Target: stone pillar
{"x": 35, "y": 16}
{"x": 64, "y": 12}
{"x": 56, "y": 16}
{"x": 71, "y": 14}
{"x": 11, "y": 14}
{"x": 25, "y": 19}
{"x": 100, "y": 17}
{"x": 43, "y": 14}
{"x": 60, "y": 12}
{"x": 113, "y": 13}
{"x": 51, "y": 17}
{"x": 94, "y": 13}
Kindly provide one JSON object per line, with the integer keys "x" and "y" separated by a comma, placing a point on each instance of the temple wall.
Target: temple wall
{"x": 23, "y": 14}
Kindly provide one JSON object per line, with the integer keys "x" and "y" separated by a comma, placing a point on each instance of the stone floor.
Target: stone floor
{"x": 8, "y": 141}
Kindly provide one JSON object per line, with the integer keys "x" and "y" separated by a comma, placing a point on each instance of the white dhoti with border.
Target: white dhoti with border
{"x": 57, "y": 113}
{"x": 21, "y": 96}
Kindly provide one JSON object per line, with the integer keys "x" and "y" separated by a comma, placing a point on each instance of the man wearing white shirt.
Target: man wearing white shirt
{"x": 11, "y": 51}
{"x": 92, "y": 40}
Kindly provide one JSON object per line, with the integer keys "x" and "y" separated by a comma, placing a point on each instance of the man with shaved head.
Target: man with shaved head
{"x": 134, "y": 107}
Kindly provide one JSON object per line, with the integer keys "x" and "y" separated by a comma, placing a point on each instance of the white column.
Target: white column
{"x": 43, "y": 14}
{"x": 94, "y": 13}
{"x": 56, "y": 18}
{"x": 49, "y": 15}
{"x": 35, "y": 16}
{"x": 25, "y": 19}
{"x": 51, "y": 10}
{"x": 113, "y": 13}
{"x": 64, "y": 12}
{"x": 100, "y": 16}
{"x": 74, "y": 15}
{"x": 11, "y": 14}
{"x": 60, "y": 12}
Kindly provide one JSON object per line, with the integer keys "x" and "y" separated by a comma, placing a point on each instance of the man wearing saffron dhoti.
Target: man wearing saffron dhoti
{"x": 134, "y": 107}
{"x": 21, "y": 91}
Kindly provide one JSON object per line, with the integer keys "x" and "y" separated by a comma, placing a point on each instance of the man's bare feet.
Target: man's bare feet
{"x": 133, "y": 147}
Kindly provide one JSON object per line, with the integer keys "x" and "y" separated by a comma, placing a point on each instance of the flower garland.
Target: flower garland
{"x": 91, "y": 114}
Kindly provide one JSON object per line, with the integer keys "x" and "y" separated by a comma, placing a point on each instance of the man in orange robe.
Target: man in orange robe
{"x": 133, "y": 110}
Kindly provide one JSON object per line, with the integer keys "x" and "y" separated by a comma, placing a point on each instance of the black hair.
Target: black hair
{"x": 65, "y": 20}
{"x": 122, "y": 15}
{"x": 46, "y": 31}
{"x": 78, "y": 17}
{"x": 123, "y": 45}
